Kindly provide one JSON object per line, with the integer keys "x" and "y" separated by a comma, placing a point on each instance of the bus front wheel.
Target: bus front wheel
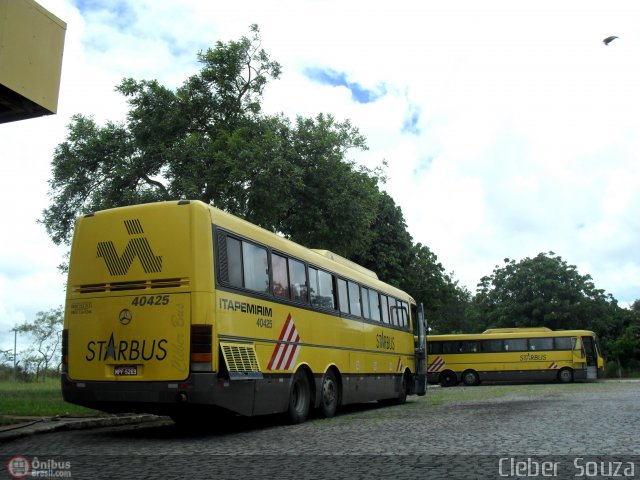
{"x": 565, "y": 375}
{"x": 470, "y": 378}
{"x": 299, "y": 398}
{"x": 448, "y": 379}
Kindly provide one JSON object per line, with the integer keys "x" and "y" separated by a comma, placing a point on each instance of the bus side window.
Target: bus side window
{"x": 365, "y": 302}
{"x": 246, "y": 264}
{"x": 469, "y": 347}
{"x": 434, "y": 347}
{"x": 384, "y": 306}
{"x": 321, "y": 289}
{"x": 256, "y": 267}
{"x": 450, "y": 347}
{"x": 393, "y": 311}
{"x": 491, "y": 345}
{"x": 374, "y": 305}
{"x": 541, "y": 344}
{"x": 515, "y": 344}
{"x": 280, "y": 276}
{"x": 405, "y": 314}
{"x": 354, "y": 299}
{"x": 563, "y": 343}
{"x": 298, "y": 281}
{"x": 343, "y": 296}
{"x": 234, "y": 261}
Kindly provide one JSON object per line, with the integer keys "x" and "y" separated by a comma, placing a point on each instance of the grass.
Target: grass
{"x": 44, "y": 399}
{"x": 41, "y": 399}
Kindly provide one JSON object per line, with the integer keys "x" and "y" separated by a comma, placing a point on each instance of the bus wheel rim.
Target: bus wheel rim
{"x": 328, "y": 391}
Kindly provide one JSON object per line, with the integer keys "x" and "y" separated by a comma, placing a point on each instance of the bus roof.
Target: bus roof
{"x": 318, "y": 257}
{"x": 492, "y": 334}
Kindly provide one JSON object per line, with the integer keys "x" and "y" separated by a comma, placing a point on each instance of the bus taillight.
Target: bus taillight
{"x": 201, "y": 345}
{"x": 65, "y": 351}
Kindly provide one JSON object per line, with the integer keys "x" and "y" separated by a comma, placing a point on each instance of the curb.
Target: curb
{"x": 55, "y": 424}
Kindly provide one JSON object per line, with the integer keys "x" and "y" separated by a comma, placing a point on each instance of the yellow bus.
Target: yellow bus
{"x": 180, "y": 309}
{"x": 514, "y": 354}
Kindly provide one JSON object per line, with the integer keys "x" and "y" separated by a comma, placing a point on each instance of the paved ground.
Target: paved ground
{"x": 444, "y": 436}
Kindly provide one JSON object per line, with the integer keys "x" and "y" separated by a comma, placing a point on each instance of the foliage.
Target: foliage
{"x": 542, "y": 291}
{"x": 36, "y": 399}
{"x": 445, "y": 303}
{"x": 546, "y": 291}
{"x": 208, "y": 140}
{"x": 46, "y": 333}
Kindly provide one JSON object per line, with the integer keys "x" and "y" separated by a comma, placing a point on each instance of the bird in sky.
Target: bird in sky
{"x": 608, "y": 40}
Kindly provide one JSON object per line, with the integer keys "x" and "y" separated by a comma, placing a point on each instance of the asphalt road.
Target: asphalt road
{"x": 572, "y": 431}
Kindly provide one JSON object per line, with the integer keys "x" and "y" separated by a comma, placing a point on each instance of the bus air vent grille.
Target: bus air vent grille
{"x": 134, "y": 285}
{"x": 241, "y": 360}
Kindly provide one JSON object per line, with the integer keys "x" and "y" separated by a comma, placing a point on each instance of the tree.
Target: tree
{"x": 445, "y": 302}
{"x": 46, "y": 332}
{"x": 390, "y": 248}
{"x": 542, "y": 291}
{"x": 546, "y": 291}
{"x": 208, "y": 140}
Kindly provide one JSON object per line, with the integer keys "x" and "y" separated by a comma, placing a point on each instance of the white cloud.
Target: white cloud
{"x": 524, "y": 130}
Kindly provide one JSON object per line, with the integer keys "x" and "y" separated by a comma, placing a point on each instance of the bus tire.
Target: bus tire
{"x": 565, "y": 375}
{"x": 299, "y": 398}
{"x": 404, "y": 390}
{"x": 471, "y": 378}
{"x": 448, "y": 379}
{"x": 329, "y": 394}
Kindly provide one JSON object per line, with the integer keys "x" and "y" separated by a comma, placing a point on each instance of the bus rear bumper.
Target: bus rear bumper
{"x": 163, "y": 398}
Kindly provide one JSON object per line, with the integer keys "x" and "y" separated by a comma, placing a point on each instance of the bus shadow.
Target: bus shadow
{"x": 165, "y": 428}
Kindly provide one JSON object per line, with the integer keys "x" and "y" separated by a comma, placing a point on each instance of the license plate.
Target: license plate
{"x": 125, "y": 370}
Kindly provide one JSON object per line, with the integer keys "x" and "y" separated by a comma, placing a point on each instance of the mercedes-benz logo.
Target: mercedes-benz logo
{"x": 125, "y": 316}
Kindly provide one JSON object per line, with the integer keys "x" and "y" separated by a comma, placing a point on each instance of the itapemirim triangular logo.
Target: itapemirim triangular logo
{"x": 137, "y": 247}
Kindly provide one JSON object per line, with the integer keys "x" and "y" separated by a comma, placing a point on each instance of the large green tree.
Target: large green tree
{"x": 546, "y": 291}
{"x": 446, "y": 304}
{"x": 208, "y": 140}
{"x": 542, "y": 291}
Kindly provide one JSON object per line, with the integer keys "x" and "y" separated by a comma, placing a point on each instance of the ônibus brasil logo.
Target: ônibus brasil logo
{"x": 21, "y": 467}
{"x": 18, "y": 467}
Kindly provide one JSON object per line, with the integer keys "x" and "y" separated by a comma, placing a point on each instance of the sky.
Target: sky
{"x": 509, "y": 128}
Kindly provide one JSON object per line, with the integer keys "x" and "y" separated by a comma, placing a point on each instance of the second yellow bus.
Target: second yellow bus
{"x": 514, "y": 354}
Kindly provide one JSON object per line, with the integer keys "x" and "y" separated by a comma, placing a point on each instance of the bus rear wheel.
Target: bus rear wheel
{"x": 470, "y": 378}
{"x": 448, "y": 379}
{"x": 329, "y": 395}
{"x": 404, "y": 390}
{"x": 299, "y": 398}
{"x": 565, "y": 375}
